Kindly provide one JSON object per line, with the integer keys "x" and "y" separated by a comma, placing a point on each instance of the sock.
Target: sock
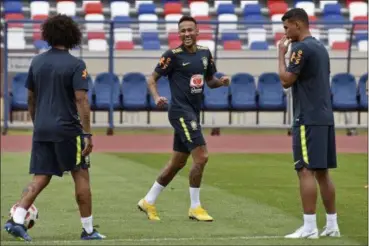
{"x": 19, "y": 215}
{"x": 195, "y": 197}
{"x": 87, "y": 224}
{"x": 154, "y": 192}
{"x": 332, "y": 221}
{"x": 310, "y": 222}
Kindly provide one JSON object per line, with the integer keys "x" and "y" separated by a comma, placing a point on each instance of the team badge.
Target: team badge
{"x": 193, "y": 125}
{"x": 205, "y": 62}
{"x": 84, "y": 74}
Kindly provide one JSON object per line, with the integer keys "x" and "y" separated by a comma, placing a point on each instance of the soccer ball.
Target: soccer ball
{"x": 31, "y": 216}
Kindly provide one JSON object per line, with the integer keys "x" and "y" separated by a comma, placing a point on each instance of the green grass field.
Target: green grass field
{"x": 253, "y": 197}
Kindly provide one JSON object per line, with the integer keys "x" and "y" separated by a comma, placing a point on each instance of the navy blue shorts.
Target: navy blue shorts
{"x": 187, "y": 134}
{"x": 54, "y": 158}
{"x": 314, "y": 147}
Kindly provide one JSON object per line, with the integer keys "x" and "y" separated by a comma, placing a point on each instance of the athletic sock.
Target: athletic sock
{"x": 310, "y": 222}
{"x": 332, "y": 221}
{"x": 87, "y": 224}
{"x": 195, "y": 197}
{"x": 19, "y": 215}
{"x": 154, "y": 192}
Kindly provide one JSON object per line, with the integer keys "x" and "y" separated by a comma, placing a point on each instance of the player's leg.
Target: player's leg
{"x": 43, "y": 166}
{"x": 69, "y": 155}
{"x": 303, "y": 150}
{"x": 177, "y": 161}
{"x": 327, "y": 188}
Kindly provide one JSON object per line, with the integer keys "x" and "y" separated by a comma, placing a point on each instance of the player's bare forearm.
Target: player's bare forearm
{"x": 213, "y": 82}
{"x": 287, "y": 78}
{"x": 31, "y": 101}
{"x": 83, "y": 108}
{"x": 152, "y": 84}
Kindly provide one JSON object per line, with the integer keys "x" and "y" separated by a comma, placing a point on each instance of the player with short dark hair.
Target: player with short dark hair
{"x": 188, "y": 67}
{"x": 58, "y": 104}
{"x": 314, "y": 144}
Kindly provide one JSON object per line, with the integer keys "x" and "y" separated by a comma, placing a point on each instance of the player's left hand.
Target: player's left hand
{"x": 225, "y": 80}
{"x": 283, "y": 45}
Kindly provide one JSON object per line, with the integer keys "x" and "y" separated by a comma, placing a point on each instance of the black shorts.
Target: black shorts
{"x": 187, "y": 134}
{"x": 54, "y": 158}
{"x": 314, "y": 147}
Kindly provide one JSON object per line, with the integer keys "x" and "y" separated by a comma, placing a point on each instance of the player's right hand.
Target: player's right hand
{"x": 161, "y": 102}
{"x": 88, "y": 146}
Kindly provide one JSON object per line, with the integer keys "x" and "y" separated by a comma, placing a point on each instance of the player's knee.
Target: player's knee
{"x": 322, "y": 175}
{"x": 201, "y": 159}
{"x": 41, "y": 181}
{"x": 83, "y": 195}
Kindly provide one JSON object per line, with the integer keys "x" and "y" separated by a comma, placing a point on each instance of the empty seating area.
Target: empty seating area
{"x": 244, "y": 23}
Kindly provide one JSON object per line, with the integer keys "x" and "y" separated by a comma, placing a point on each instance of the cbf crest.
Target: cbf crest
{"x": 193, "y": 125}
{"x": 205, "y": 62}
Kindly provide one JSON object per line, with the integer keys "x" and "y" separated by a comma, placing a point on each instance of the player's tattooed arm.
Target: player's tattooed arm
{"x": 31, "y": 101}
{"x": 83, "y": 108}
{"x": 152, "y": 85}
{"x": 213, "y": 82}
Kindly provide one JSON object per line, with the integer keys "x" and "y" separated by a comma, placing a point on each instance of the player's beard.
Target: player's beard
{"x": 189, "y": 41}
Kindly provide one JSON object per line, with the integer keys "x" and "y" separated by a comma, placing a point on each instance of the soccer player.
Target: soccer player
{"x": 188, "y": 67}
{"x": 314, "y": 146}
{"x": 58, "y": 105}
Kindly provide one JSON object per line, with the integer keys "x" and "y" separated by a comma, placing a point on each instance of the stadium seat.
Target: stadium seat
{"x": 337, "y": 35}
{"x": 91, "y": 92}
{"x": 216, "y": 99}
{"x": 173, "y": 36}
{"x": 151, "y": 45}
{"x": 39, "y": 8}
{"x": 104, "y": 86}
{"x": 119, "y": 8}
{"x": 15, "y": 16}
{"x": 138, "y": 3}
{"x": 85, "y": 2}
{"x": 334, "y": 21}
{"x": 203, "y": 26}
{"x": 124, "y": 45}
{"x": 225, "y": 9}
{"x": 172, "y": 18}
{"x": 358, "y": 9}
{"x": 255, "y": 21}
{"x": 97, "y": 45}
{"x": 148, "y": 26}
{"x": 146, "y": 8}
{"x": 227, "y": 18}
{"x": 255, "y": 35}
{"x": 199, "y": 9}
{"x": 164, "y": 91}
{"x": 12, "y": 7}
{"x": 363, "y": 45}
{"x": 207, "y": 43}
{"x": 96, "y": 35}
{"x": 41, "y": 44}
{"x": 340, "y": 45}
{"x": 243, "y": 92}
{"x": 332, "y": 9}
{"x": 122, "y": 21}
{"x": 344, "y": 91}
{"x": 315, "y": 32}
{"x": 252, "y": 9}
{"x": 16, "y": 39}
{"x": 66, "y": 7}
{"x": 172, "y": 8}
{"x": 363, "y": 98}
{"x": 279, "y": 7}
{"x": 309, "y": 7}
{"x": 244, "y": 3}
{"x": 219, "y": 2}
{"x": 230, "y": 36}
{"x": 94, "y": 8}
{"x": 134, "y": 91}
{"x": 123, "y": 34}
{"x": 259, "y": 45}
{"x": 270, "y": 92}
{"x": 277, "y": 27}
{"x": 19, "y": 92}
{"x": 322, "y": 3}
{"x": 94, "y": 26}
{"x": 361, "y": 26}
{"x": 232, "y": 45}
{"x": 174, "y": 44}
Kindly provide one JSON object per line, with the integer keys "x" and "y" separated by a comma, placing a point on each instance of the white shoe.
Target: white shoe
{"x": 331, "y": 232}
{"x": 302, "y": 233}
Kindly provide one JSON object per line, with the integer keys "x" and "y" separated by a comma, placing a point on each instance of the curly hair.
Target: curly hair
{"x": 61, "y": 30}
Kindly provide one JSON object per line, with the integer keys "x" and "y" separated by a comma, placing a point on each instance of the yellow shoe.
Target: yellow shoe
{"x": 149, "y": 209}
{"x": 199, "y": 214}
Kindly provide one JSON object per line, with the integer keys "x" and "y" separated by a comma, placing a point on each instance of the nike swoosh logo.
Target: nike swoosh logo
{"x": 296, "y": 162}
{"x": 185, "y": 64}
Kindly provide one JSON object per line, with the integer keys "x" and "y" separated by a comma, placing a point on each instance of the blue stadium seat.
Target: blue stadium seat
{"x": 103, "y": 87}
{"x": 259, "y": 45}
{"x": 12, "y": 7}
{"x": 270, "y": 92}
{"x": 333, "y": 21}
{"x": 91, "y": 92}
{"x": 19, "y": 92}
{"x": 225, "y": 9}
{"x": 332, "y": 9}
{"x": 243, "y": 92}
{"x": 146, "y": 8}
{"x": 363, "y": 98}
{"x": 151, "y": 45}
{"x": 125, "y": 21}
{"x": 41, "y": 44}
{"x": 252, "y": 9}
{"x": 344, "y": 92}
{"x": 164, "y": 91}
{"x": 361, "y": 36}
{"x": 216, "y": 99}
{"x": 255, "y": 21}
{"x": 134, "y": 91}
{"x": 228, "y": 36}
{"x": 150, "y": 36}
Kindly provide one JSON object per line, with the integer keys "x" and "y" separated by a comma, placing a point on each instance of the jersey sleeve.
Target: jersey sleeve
{"x": 211, "y": 68}
{"x": 165, "y": 64}
{"x": 80, "y": 77}
{"x": 299, "y": 54}
{"x": 29, "y": 81}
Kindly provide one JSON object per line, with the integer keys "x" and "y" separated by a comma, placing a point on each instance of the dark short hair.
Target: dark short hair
{"x": 61, "y": 30}
{"x": 296, "y": 14}
{"x": 187, "y": 18}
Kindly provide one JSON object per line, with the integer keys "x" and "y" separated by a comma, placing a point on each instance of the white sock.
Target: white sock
{"x": 87, "y": 224}
{"x": 19, "y": 215}
{"x": 332, "y": 221}
{"x": 195, "y": 197}
{"x": 310, "y": 222}
{"x": 154, "y": 192}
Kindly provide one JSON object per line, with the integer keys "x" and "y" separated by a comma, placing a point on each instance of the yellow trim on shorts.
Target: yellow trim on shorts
{"x": 79, "y": 150}
{"x": 303, "y": 144}
{"x": 185, "y": 129}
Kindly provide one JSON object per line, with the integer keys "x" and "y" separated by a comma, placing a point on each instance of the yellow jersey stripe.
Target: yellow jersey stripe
{"x": 185, "y": 129}
{"x": 303, "y": 144}
{"x": 79, "y": 150}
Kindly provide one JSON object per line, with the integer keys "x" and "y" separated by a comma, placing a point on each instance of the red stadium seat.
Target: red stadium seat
{"x": 173, "y": 36}
{"x": 96, "y": 35}
{"x": 361, "y": 26}
{"x": 174, "y": 44}
{"x": 205, "y": 36}
{"x": 351, "y": 1}
{"x": 36, "y": 36}
{"x": 124, "y": 45}
{"x": 278, "y": 36}
{"x": 37, "y": 26}
{"x": 340, "y": 45}
{"x": 232, "y": 45}
{"x": 312, "y": 19}
{"x": 277, "y": 8}
{"x": 203, "y": 26}
{"x": 14, "y": 17}
{"x": 191, "y": 1}
{"x": 172, "y": 8}
{"x": 94, "y": 8}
